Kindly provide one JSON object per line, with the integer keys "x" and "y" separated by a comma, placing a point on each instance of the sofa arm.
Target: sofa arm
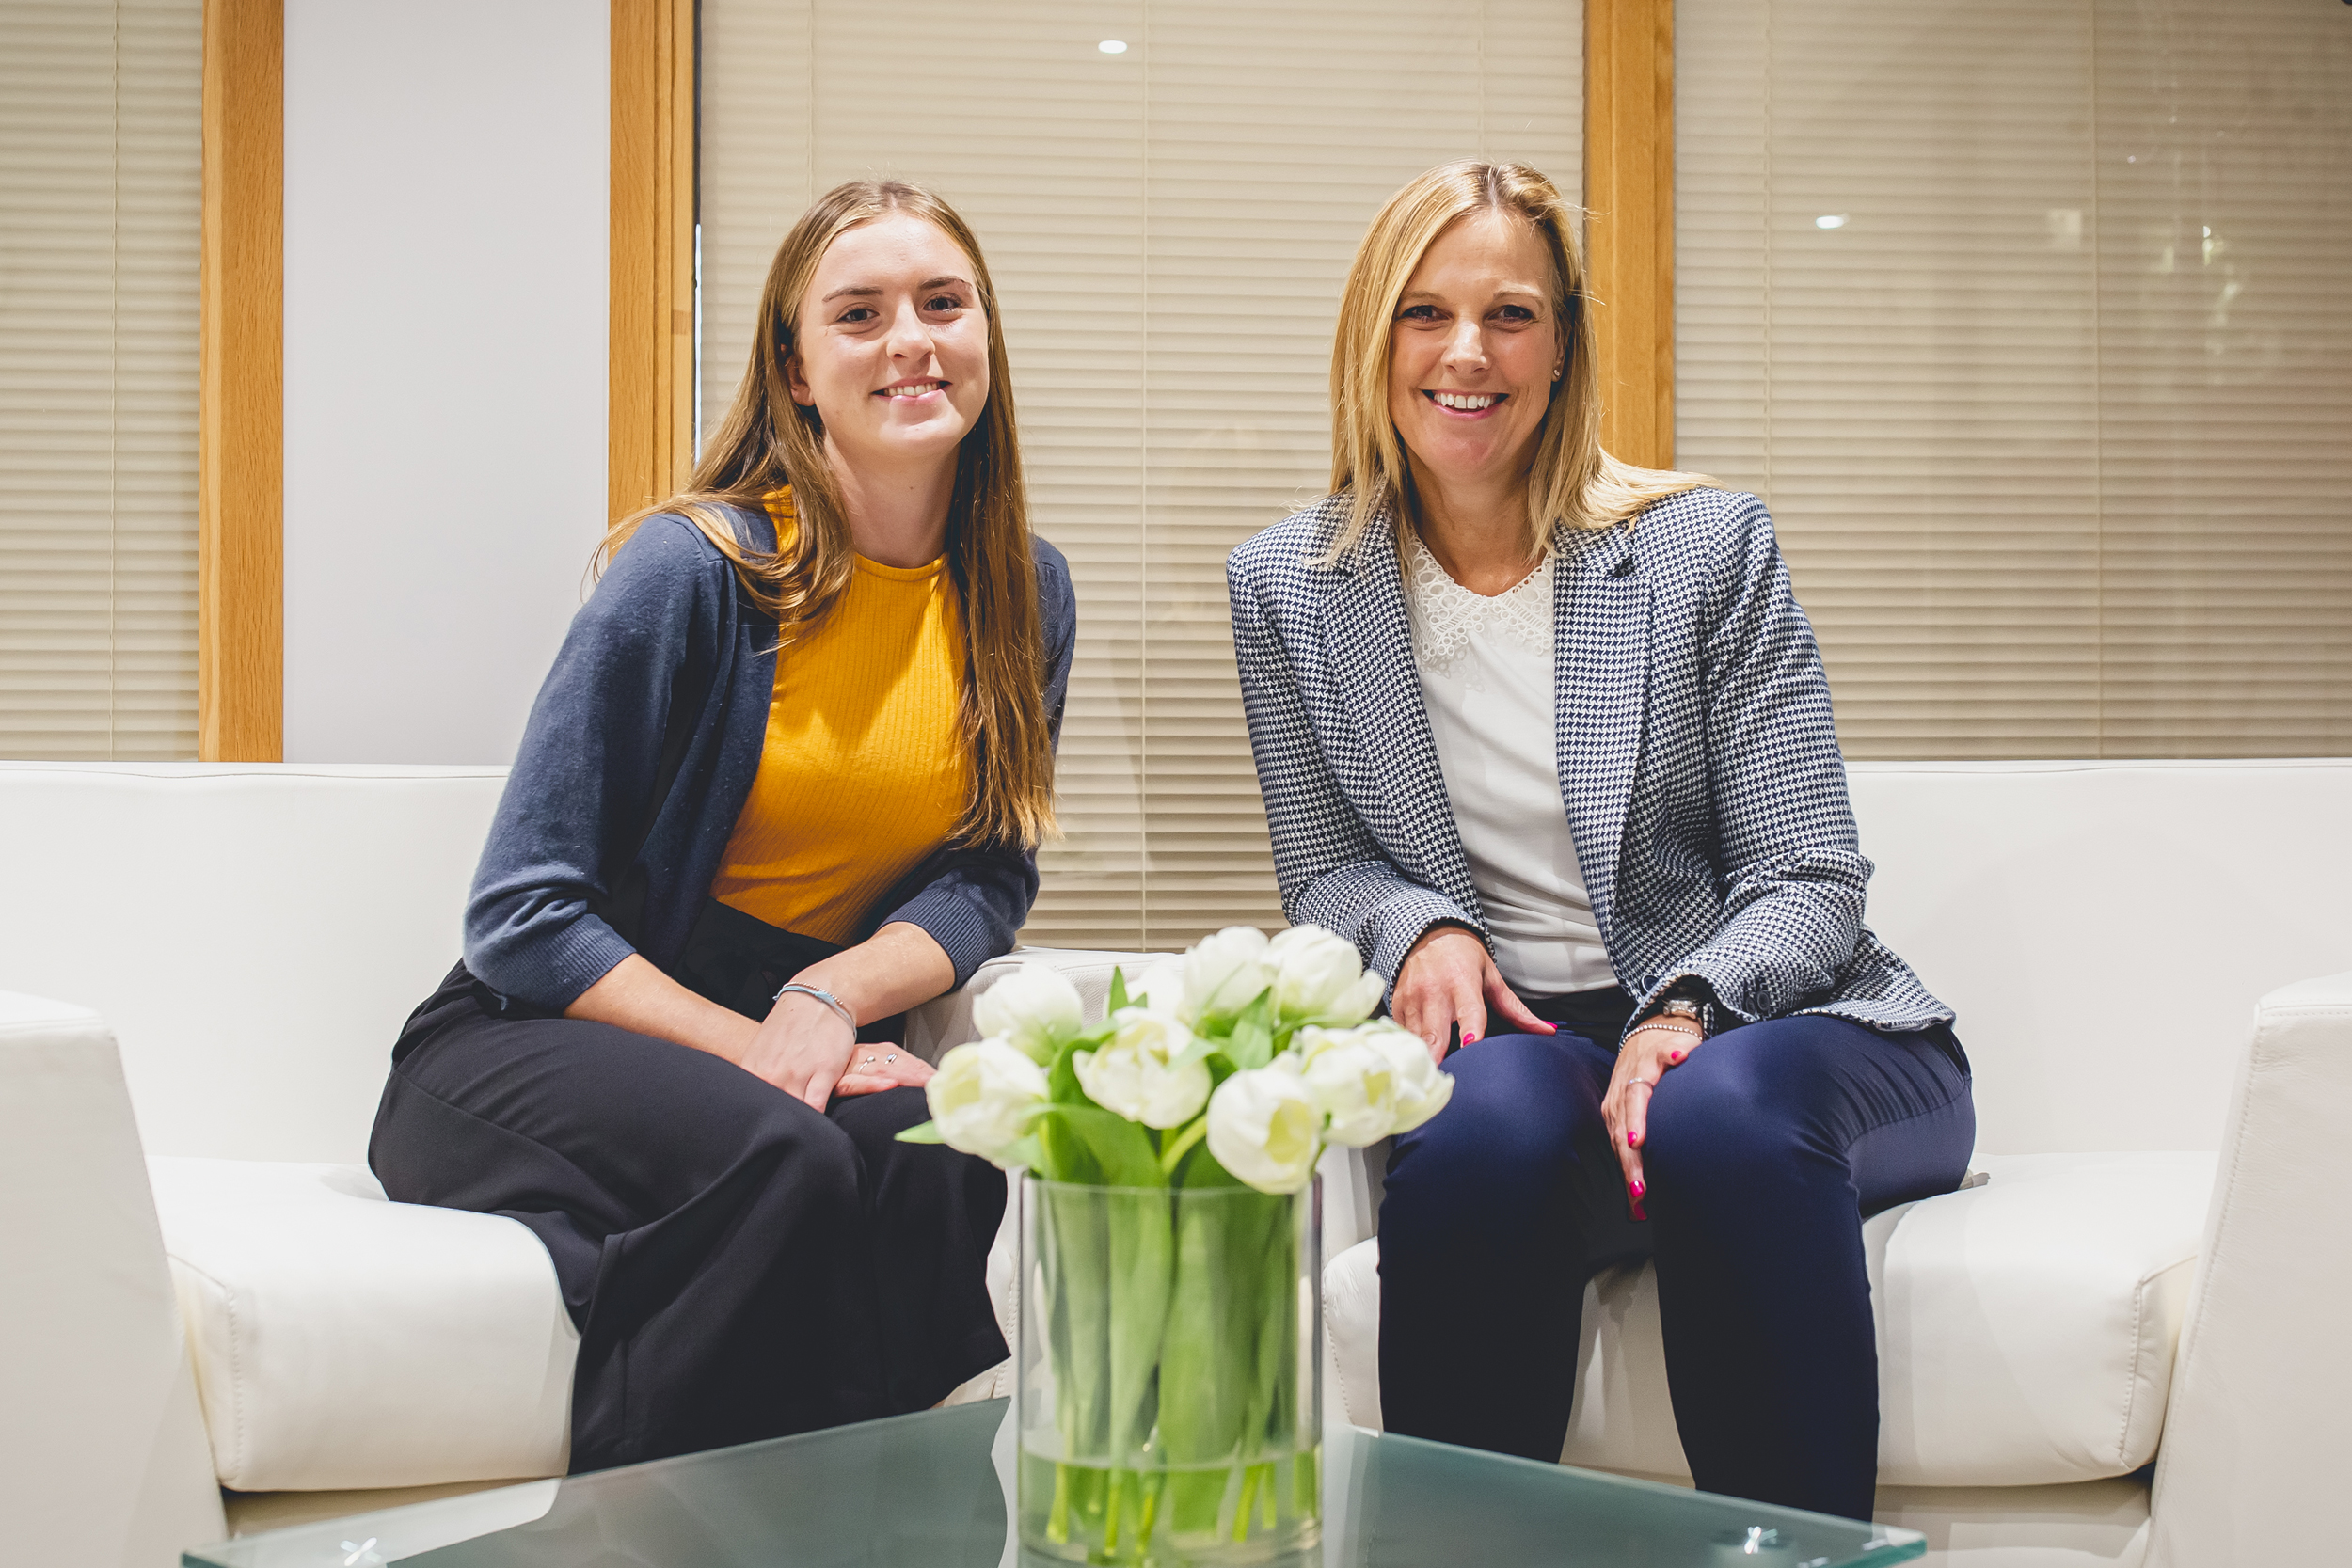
{"x": 2252, "y": 1449}
{"x": 103, "y": 1448}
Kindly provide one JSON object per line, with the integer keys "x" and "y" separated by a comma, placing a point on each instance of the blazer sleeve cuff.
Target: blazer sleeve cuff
{"x": 1381, "y": 912}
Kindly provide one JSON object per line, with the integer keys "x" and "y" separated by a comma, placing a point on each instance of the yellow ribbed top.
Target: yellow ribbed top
{"x": 864, "y": 770}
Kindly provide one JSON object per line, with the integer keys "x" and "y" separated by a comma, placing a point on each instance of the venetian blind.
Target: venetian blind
{"x": 1168, "y": 226}
{"x": 101, "y": 129}
{"x": 2032, "y": 320}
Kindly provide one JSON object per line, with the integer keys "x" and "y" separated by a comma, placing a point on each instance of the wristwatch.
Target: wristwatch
{"x": 1687, "y": 1012}
{"x": 1682, "y": 1006}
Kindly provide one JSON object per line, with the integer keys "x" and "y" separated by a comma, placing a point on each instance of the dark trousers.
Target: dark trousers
{"x": 1765, "y": 1148}
{"x": 740, "y": 1265}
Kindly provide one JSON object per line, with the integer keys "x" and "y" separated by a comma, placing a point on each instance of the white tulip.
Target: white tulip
{"x": 983, "y": 1095}
{"x": 1163, "y": 988}
{"x": 1133, "y": 1075}
{"x": 1353, "y": 1082}
{"x": 1318, "y": 975}
{"x": 1224, "y": 974}
{"x": 1035, "y": 1007}
{"x": 1422, "y": 1090}
{"x": 1266, "y": 1128}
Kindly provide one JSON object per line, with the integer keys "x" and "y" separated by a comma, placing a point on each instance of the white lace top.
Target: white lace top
{"x": 1487, "y": 680}
{"x": 1444, "y": 613}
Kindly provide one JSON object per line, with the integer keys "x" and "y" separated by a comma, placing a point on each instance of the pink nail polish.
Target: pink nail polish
{"x": 1675, "y": 1057}
{"x": 1638, "y": 1213}
{"x": 1470, "y": 1039}
{"x": 1637, "y": 1189}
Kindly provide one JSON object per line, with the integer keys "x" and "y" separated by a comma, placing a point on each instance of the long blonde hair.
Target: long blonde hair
{"x": 769, "y": 441}
{"x": 1572, "y": 480}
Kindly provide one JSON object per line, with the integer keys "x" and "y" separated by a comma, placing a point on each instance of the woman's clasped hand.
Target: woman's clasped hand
{"x": 809, "y": 1052}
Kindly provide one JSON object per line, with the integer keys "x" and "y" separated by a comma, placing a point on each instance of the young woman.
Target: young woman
{"x": 786, "y": 780}
{"x": 1548, "y": 739}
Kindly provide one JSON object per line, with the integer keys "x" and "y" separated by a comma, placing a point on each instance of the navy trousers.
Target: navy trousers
{"x": 1765, "y": 1148}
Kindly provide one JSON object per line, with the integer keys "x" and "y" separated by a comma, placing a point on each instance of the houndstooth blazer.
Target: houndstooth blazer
{"x": 1698, "y": 765}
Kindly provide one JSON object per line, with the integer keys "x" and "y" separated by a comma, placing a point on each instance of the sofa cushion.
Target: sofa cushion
{"x": 2026, "y": 1327}
{"x": 343, "y": 1341}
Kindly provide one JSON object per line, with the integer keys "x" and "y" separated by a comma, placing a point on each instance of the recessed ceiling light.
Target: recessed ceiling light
{"x": 1112, "y": 46}
{"x": 1829, "y": 220}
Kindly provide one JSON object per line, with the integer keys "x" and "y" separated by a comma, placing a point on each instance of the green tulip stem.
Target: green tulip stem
{"x": 1150, "y": 1511}
{"x": 1110, "y": 1511}
{"x": 1057, "y": 1521}
{"x": 1182, "y": 1144}
{"x": 1249, "y": 1496}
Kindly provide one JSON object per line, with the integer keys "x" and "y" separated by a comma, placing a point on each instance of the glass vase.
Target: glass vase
{"x": 1169, "y": 1401}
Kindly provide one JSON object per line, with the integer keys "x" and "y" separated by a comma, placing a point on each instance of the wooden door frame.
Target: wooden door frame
{"x": 1629, "y": 195}
{"x": 650, "y": 425}
{"x": 240, "y": 536}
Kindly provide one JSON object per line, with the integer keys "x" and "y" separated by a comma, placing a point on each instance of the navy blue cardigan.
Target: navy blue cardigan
{"x": 640, "y": 753}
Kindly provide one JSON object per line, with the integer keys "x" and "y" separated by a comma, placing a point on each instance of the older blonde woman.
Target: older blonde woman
{"x": 1547, "y": 737}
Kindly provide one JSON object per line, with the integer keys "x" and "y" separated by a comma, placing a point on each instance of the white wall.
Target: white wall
{"x": 445, "y": 353}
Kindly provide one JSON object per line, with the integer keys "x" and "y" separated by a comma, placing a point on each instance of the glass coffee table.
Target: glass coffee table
{"x": 929, "y": 1491}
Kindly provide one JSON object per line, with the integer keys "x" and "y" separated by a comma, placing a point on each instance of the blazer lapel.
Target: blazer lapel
{"x": 1370, "y": 649}
{"x": 1600, "y": 624}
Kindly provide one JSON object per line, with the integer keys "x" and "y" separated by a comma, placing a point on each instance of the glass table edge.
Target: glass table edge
{"x": 233, "y": 1552}
{"x": 1891, "y": 1545}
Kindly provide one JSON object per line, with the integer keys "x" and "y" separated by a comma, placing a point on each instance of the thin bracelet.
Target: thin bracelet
{"x": 796, "y": 989}
{"x": 1669, "y": 1028}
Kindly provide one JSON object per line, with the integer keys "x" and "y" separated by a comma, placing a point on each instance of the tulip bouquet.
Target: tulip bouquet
{"x": 1168, "y": 1349}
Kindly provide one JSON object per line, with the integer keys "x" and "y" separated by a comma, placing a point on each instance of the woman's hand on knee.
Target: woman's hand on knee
{"x": 1448, "y": 978}
{"x": 802, "y": 1047}
{"x": 1648, "y": 1054}
{"x": 875, "y": 1068}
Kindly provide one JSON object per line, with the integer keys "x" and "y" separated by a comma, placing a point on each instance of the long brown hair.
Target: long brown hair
{"x": 768, "y": 441}
{"x": 1573, "y": 481}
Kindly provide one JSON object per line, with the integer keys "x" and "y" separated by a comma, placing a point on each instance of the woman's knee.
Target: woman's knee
{"x": 1710, "y": 1125}
{"x": 782, "y": 1136}
{"x": 1518, "y": 1104}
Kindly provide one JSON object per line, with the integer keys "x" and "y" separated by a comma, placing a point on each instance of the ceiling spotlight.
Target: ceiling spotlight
{"x": 1112, "y": 46}
{"x": 1829, "y": 220}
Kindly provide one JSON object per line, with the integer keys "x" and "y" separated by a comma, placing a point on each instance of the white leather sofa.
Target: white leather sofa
{"x": 2150, "y": 1269}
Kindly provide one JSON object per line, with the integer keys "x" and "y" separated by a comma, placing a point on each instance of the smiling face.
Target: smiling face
{"x": 1473, "y": 352}
{"x": 891, "y": 344}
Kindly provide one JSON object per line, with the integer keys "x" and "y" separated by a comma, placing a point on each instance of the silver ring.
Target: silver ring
{"x": 890, "y": 1058}
{"x": 868, "y": 1062}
